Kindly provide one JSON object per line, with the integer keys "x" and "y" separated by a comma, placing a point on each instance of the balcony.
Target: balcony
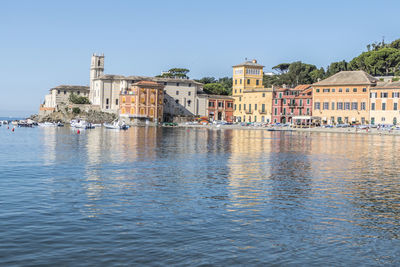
{"x": 248, "y": 111}
{"x": 262, "y": 111}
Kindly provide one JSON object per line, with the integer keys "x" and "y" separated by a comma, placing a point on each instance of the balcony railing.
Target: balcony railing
{"x": 262, "y": 111}
{"x": 248, "y": 111}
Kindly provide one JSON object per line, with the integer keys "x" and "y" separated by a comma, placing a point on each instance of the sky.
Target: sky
{"x": 47, "y": 43}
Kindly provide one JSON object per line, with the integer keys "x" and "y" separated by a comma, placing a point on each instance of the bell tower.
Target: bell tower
{"x": 96, "y": 70}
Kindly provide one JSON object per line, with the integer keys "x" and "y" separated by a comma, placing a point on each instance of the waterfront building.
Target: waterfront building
{"x": 220, "y": 108}
{"x": 183, "y": 97}
{"x": 59, "y": 97}
{"x": 253, "y": 102}
{"x": 384, "y": 106}
{"x": 142, "y": 101}
{"x": 291, "y": 102}
{"x": 343, "y": 97}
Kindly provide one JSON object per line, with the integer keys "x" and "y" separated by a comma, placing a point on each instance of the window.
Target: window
{"x": 326, "y": 105}
{"x": 395, "y": 95}
{"x": 364, "y": 90}
{"x": 240, "y": 106}
{"x": 333, "y": 90}
{"x": 301, "y": 102}
{"x": 384, "y": 95}
{"x": 248, "y": 81}
{"x": 229, "y": 104}
{"x": 347, "y": 105}
{"x": 235, "y": 107}
{"x": 235, "y": 81}
{"x": 240, "y": 80}
{"x": 220, "y": 104}
{"x": 257, "y": 82}
{"x": 249, "y": 107}
{"x": 394, "y": 106}
{"x": 276, "y": 101}
{"x": 263, "y": 95}
{"x": 235, "y": 91}
{"x": 263, "y": 108}
{"x": 383, "y": 106}
{"x": 333, "y": 105}
{"x": 177, "y": 101}
{"x": 116, "y": 102}
{"x": 284, "y": 101}
{"x": 339, "y": 105}
{"x": 308, "y": 111}
{"x": 383, "y": 119}
{"x": 317, "y": 105}
{"x": 165, "y": 83}
{"x": 372, "y": 106}
{"x": 177, "y": 92}
{"x": 210, "y": 104}
{"x": 190, "y": 85}
{"x": 373, "y": 95}
{"x": 65, "y": 92}
{"x": 244, "y": 106}
{"x": 189, "y": 102}
{"x": 308, "y": 101}
{"x": 363, "y": 105}
{"x": 340, "y": 90}
{"x": 58, "y": 92}
{"x": 354, "y": 105}
{"x": 189, "y": 93}
{"x": 326, "y": 90}
{"x": 347, "y": 90}
{"x": 255, "y": 107}
{"x": 79, "y": 92}
{"x": 240, "y": 90}
{"x": 355, "y": 90}
{"x": 177, "y": 84}
{"x": 107, "y": 101}
{"x": 280, "y": 95}
{"x": 284, "y": 111}
{"x": 276, "y": 111}
{"x": 317, "y": 90}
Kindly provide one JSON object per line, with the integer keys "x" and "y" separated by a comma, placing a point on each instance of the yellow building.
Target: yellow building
{"x": 343, "y": 98}
{"x": 384, "y": 107}
{"x": 253, "y": 102}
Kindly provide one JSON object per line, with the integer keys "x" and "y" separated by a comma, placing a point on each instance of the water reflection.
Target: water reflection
{"x": 226, "y": 196}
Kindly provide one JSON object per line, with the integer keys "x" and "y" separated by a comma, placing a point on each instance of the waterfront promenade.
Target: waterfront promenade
{"x": 348, "y": 130}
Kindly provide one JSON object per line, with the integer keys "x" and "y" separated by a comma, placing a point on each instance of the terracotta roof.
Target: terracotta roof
{"x": 348, "y": 77}
{"x": 147, "y": 83}
{"x": 302, "y": 87}
{"x": 250, "y": 63}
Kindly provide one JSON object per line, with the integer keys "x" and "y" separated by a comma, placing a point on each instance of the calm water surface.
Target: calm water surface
{"x": 156, "y": 196}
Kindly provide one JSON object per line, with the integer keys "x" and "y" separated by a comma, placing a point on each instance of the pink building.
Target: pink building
{"x": 291, "y": 102}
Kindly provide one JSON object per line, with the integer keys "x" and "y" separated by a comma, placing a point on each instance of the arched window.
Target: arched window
{"x": 98, "y": 63}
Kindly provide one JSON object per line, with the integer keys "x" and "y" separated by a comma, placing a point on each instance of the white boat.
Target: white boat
{"x": 80, "y": 124}
{"x": 47, "y": 124}
{"x": 116, "y": 125}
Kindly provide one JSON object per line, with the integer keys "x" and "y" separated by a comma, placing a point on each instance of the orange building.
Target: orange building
{"x": 142, "y": 101}
{"x": 220, "y": 108}
{"x": 385, "y": 100}
{"x": 343, "y": 97}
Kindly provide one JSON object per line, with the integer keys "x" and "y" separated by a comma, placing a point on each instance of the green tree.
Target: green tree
{"x": 336, "y": 67}
{"x": 317, "y": 74}
{"x": 206, "y": 80}
{"x": 75, "y": 99}
{"x": 180, "y": 73}
{"x": 215, "y": 89}
{"x": 282, "y": 68}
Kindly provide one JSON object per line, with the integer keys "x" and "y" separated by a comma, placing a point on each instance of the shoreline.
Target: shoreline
{"x": 372, "y": 131}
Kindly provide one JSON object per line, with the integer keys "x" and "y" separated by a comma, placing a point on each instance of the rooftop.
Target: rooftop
{"x": 71, "y": 87}
{"x": 348, "y": 77}
{"x": 250, "y": 63}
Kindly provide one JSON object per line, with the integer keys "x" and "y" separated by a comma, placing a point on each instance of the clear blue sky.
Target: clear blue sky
{"x": 47, "y": 43}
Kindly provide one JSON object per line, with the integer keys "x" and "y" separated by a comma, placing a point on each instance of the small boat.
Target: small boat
{"x": 47, "y": 124}
{"x": 81, "y": 124}
{"x": 116, "y": 125}
{"x": 59, "y": 124}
